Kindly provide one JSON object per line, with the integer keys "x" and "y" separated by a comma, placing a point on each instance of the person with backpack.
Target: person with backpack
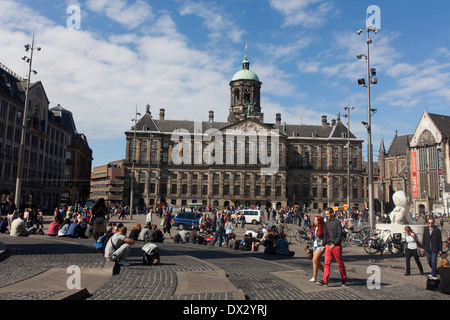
{"x": 118, "y": 247}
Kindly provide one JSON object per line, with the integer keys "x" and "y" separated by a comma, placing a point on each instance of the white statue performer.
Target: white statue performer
{"x": 400, "y": 214}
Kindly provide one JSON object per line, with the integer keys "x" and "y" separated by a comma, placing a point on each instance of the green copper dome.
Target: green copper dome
{"x": 245, "y": 73}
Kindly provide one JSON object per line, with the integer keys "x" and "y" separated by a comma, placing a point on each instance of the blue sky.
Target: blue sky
{"x": 181, "y": 55}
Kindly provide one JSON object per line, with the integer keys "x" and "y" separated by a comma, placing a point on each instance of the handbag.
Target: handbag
{"x": 309, "y": 250}
{"x": 432, "y": 284}
{"x": 421, "y": 252}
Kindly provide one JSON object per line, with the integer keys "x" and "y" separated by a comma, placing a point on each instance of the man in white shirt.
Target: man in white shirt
{"x": 18, "y": 227}
{"x": 148, "y": 219}
{"x": 118, "y": 247}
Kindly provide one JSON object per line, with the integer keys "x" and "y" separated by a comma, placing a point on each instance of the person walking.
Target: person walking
{"x": 412, "y": 245}
{"x": 167, "y": 224}
{"x": 432, "y": 243}
{"x": 149, "y": 217}
{"x": 228, "y": 229}
{"x": 316, "y": 236}
{"x": 332, "y": 247}
{"x": 218, "y": 226}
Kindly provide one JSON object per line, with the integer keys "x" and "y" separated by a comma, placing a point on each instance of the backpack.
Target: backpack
{"x": 177, "y": 238}
{"x": 101, "y": 242}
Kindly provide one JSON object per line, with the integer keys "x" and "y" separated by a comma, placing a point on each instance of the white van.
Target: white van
{"x": 252, "y": 216}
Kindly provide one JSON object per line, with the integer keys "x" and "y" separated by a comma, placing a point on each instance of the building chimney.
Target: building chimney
{"x": 162, "y": 113}
{"x": 333, "y": 122}
{"x": 278, "y": 118}
{"x": 324, "y": 120}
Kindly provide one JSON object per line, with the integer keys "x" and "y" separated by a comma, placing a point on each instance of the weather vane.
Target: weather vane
{"x": 245, "y": 58}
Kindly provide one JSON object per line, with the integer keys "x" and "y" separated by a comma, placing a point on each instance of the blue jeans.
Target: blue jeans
{"x": 217, "y": 235}
{"x": 432, "y": 262}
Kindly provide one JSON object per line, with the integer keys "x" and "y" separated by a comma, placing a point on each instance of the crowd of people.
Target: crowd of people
{"x": 325, "y": 234}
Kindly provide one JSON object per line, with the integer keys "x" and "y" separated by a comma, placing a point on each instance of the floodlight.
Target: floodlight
{"x": 361, "y": 82}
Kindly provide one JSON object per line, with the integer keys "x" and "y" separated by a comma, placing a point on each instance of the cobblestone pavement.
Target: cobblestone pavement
{"x": 198, "y": 272}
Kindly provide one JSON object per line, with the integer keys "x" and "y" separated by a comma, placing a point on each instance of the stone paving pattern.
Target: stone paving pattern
{"x": 258, "y": 276}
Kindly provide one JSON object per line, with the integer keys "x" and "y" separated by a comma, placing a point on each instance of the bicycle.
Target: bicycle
{"x": 357, "y": 238}
{"x": 302, "y": 234}
{"x": 345, "y": 235}
{"x": 283, "y": 228}
{"x": 377, "y": 242}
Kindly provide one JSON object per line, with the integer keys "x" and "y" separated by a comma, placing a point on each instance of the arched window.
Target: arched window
{"x": 236, "y": 96}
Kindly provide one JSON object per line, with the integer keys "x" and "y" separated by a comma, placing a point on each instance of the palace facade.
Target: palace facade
{"x": 244, "y": 160}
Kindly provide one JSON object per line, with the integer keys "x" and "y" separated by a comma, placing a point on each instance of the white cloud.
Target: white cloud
{"x": 285, "y": 52}
{"x": 102, "y": 80}
{"x": 299, "y": 12}
{"x": 130, "y": 16}
{"x": 220, "y": 27}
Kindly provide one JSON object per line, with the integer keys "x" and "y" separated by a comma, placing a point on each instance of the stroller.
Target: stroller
{"x": 151, "y": 255}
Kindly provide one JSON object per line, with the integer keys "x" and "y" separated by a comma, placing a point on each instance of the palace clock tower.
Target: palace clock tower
{"x": 245, "y": 91}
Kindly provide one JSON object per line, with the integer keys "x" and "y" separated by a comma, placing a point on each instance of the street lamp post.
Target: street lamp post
{"x": 149, "y": 164}
{"x": 133, "y": 160}
{"x": 348, "y": 154}
{"x": 371, "y": 80}
{"x": 24, "y": 122}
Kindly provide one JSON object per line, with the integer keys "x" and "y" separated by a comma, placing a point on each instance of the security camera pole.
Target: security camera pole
{"x": 24, "y": 123}
{"x": 370, "y": 82}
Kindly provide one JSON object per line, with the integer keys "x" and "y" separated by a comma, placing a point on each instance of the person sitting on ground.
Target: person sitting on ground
{"x": 89, "y": 229}
{"x": 110, "y": 226}
{"x": 248, "y": 244}
{"x": 195, "y": 237}
{"x": 233, "y": 243}
{"x": 154, "y": 234}
{"x": 269, "y": 244}
{"x": 4, "y": 225}
{"x": 54, "y": 226}
{"x": 282, "y": 246}
{"x": 18, "y": 228}
{"x": 443, "y": 271}
{"x": 118, "y": 247}
{"x": 74, "y": 229}
{"x": 64, "y": 228}
{"x": 184, "y": 235}
{"x": 143, "y": 235}
{"x": 134, "y": 233}
{"x": 82, "y": 229}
